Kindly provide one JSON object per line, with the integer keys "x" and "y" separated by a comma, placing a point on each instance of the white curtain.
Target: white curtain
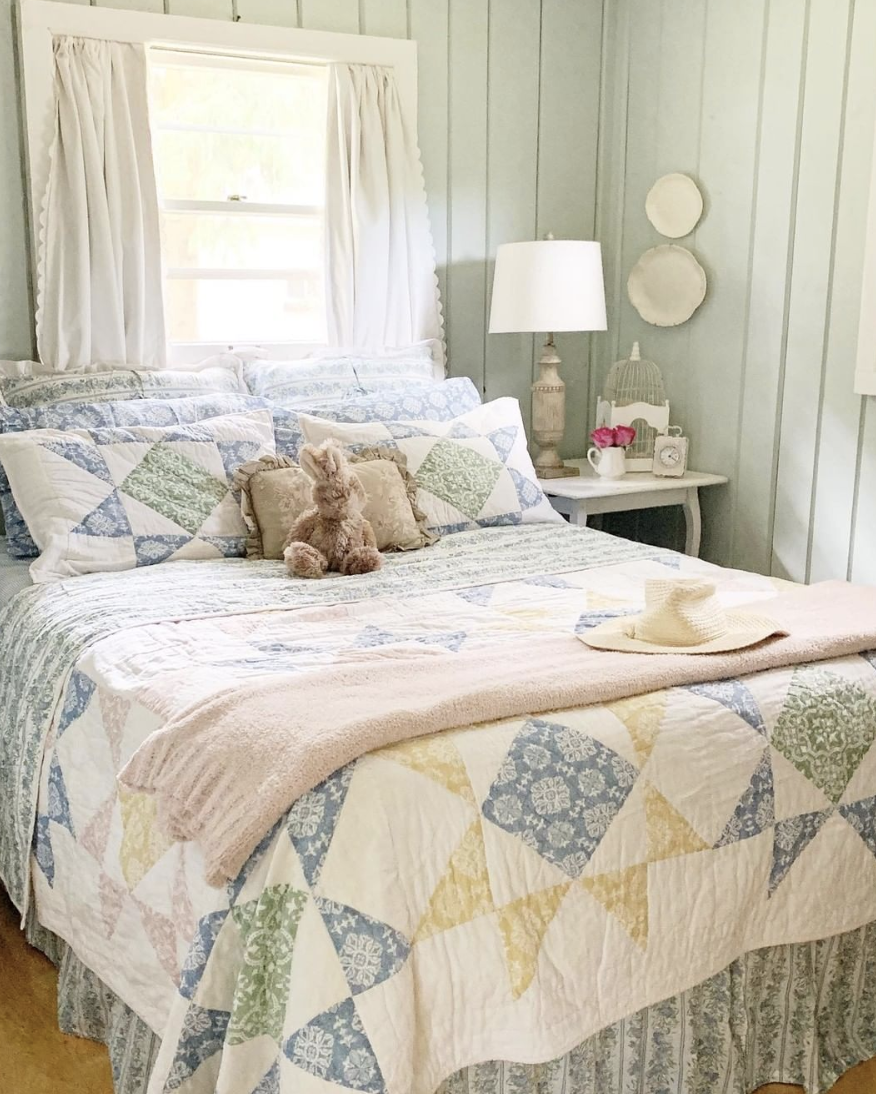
{"x": 99, "y": 279}
{"x": 381, "y": 284}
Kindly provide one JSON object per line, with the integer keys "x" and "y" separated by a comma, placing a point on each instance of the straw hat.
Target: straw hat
{"x": 682, "y": 616}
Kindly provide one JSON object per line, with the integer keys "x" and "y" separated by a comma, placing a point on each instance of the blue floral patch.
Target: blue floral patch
{"x": 80, "y": 689}
{"x": 861, "y": 815}
{"x": 59, "y": 803}
{"x": 108, "y": 519}
{"x": 369, "y": 951}
{"x": 313, "y": 819}
{"x": 559, "y": 790}
{"x": 791, "y": 837}
{"x": 203, "y": 1035}
{"x": 206, "y": 933}
{"x": 529, "y": 493}
{"x": 756, "y": 810}
{"x": 735, "y": 696}
{"x": 42, "y": 848}
{"x": 335, "y": 1047}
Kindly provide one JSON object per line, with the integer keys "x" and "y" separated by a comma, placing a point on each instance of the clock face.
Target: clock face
{"x": 670, "y": 457}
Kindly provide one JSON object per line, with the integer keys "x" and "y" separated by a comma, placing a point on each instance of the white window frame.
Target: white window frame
{"x": 865, "y": 370}
{"x": 40, "y": 20}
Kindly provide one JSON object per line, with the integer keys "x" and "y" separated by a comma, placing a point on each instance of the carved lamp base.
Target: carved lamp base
{"x": 549, "y": 415}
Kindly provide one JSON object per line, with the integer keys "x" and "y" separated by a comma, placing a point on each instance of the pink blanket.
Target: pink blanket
{"x": 225, "y": 772}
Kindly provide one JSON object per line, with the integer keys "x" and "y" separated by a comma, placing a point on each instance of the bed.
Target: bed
{"x": 703, "y": 921}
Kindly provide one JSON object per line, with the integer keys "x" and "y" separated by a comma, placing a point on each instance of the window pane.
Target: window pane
{"x": 259, "y": 310}
{"x": 208, "y": 166}
{"x": 203, "y": 240}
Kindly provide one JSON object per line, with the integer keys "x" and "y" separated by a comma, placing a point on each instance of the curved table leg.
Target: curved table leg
{"x": 693, "y": 522}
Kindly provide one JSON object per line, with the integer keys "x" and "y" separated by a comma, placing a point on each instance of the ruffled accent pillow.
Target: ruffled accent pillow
{"x": 114, "y": 499}
{"x": 274, "y": 492}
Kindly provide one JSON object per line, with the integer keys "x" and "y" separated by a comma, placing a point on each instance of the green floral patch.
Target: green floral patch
{"x": 268, "y": 927}
{"x": 459, "y": 475}
{"x": 175, "y": 486}
{"x": 826, "y": 728}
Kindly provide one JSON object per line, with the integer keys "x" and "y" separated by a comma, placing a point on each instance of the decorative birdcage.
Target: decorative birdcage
{"x": 634, "y": 395}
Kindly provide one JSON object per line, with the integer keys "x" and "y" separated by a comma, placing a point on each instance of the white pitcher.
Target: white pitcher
{"x": 610, "y": 463}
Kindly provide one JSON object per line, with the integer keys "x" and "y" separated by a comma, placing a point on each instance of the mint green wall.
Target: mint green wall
{"x": 769, "y": 105}
{"x": 509, "y": 105}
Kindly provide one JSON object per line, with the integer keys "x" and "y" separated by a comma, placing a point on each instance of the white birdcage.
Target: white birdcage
{"x": 634, "y": 395}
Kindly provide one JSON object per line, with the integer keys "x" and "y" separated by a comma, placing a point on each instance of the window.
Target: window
{"x": 240, "y": 159}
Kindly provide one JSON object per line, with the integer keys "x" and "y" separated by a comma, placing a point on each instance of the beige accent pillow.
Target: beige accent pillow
{"x": 274, "y": 492}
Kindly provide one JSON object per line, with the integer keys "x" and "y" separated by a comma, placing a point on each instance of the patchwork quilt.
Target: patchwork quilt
{"x": 498, "y": 892}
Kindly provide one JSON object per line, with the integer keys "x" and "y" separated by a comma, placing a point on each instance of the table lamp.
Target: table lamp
{"x": 548, "y": 285}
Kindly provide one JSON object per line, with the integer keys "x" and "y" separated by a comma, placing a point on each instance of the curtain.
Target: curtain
{"x": 100, "y": 292}
{"x": 381, "y": 286}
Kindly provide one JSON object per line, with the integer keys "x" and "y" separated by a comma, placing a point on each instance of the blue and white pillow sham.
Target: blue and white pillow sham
{"x": 437, "y": 402}
{"x": 52, "y": 389}
{"x": 472, "y": 472}
{"x": 98, "y": 500}
{"x": 136, "y": 412}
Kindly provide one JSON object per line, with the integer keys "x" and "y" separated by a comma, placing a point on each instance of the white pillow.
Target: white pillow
{"x": 115, "y": 498}
{"x": 472, "y": 472}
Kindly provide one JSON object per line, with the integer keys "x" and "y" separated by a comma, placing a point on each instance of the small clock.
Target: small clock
{"x": 670, "y": 455}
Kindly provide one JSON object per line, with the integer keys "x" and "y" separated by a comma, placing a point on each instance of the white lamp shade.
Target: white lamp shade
{"x": 548, "y": 285}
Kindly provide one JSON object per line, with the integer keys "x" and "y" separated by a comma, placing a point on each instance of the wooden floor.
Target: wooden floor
{"x": 36, "y": 1059}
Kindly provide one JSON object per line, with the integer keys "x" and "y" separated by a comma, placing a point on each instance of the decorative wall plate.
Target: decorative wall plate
{"x": 674, "y": 205}
{"x": 667, "y": 285}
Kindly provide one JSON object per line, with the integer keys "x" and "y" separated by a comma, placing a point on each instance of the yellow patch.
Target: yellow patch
{"x": 625, "y": 895}
{"x": 642, "y": 715}
{"x": 143, "y": 844}
{"x": 438, "y": 759}
{"x": 523, "y": 925}
{"x": 669, "y": 834}
{"x": 463, "y": 893}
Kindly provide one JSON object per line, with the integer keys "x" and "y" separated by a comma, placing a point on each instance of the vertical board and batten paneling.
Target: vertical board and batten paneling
{"x": 509, "y": 103}
{"x": 512, "y": 141}
{"x": 769, "y": 105}
{"x": 568, "y": 131}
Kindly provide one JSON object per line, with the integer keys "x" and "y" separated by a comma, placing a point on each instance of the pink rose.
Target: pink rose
{"x": 603, "y": 437}
{"x": 624, "y": 435}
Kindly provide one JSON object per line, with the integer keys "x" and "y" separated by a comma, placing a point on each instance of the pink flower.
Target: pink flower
{"x": 624, "y": 435}
{"x": 603, "y": 437}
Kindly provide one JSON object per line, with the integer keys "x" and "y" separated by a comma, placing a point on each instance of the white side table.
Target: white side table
{"x": 588, "y": 495}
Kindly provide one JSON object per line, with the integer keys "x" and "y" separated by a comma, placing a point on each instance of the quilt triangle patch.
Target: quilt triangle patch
{"x": 870, "y": 656}
{"x": 270, "y": 1081}
{"x": 463, "y": 893}
{"x": 438, "y": 759}
{"x": 235, "y": 453}
{"x": 735, "y": 696}
{"x": 523, "y": 924}
{"x": 143, "y": 842}
{"x": 313, "y": 819}
{"x": 152, "y": 549}
{"x": 669, "y": 834}
{"x": 529, "y": 493}
{"x": 77, "y": 697}
{"x": 461, "y": 431}
{"x": 112, "y": 899}
{"x": 59, "y": 804}
{"x": 478, "y": 594}
{"x": 202, "y": 1036}
{"x": 108, "y": 520}
{"x": 227, "y": 546}
{"x": 161, "y": 932}
{"x": 369, "y": 951}
{"x": 826, "y": 728}
{"x": 334, "y": 1047}
{"x": 861, "y": 815}
{"x": 790, "y": 839}
{"x": 625, "y": 895}
{"x": 83, "y": 456}
{"x": 96, "y": 834}
{"x": 756, "y": 810}
{"x": 642, "y": 715}
{"x": 206, "y": 933}
{"x": 503, "y": 440}
{"x": 114, "y": 711}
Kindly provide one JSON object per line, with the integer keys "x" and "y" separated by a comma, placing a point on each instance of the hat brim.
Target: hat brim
{"x": 743, "y": 630}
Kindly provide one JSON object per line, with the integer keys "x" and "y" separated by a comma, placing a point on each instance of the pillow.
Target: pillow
{"x": 50, "y": 389}
{"x": 437, "y": 402}
{"x": 102, "y": 415}
{"x": 275, "y": 492}
{"x": 472, "y": 472}
{"x": 295, "y": 383}
{"x": 113, "y": 499}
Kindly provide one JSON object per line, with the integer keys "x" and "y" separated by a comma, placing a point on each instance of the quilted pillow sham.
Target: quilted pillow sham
{"x": 437, "y": 402}
{"x": 135, "y": 412}
{"x": 114, "y": 499}
{"x": 472, "y": 472}
{"x": 32, "y": 388}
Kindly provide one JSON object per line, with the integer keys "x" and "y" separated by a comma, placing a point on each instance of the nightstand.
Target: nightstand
{"x": 588, "y": 495}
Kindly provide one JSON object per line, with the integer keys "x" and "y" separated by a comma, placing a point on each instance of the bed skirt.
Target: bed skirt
{"x": 802, "y": 1014}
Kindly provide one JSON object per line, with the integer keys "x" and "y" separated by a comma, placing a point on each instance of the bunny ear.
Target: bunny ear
{"x": 309, "y": 460}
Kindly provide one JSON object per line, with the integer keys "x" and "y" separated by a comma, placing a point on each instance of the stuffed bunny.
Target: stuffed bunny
{"x": 333, "y": 535}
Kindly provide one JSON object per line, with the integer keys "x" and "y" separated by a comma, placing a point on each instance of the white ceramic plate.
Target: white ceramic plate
{"x": 667, "y": 285}
{"x": 674, "y": 205}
